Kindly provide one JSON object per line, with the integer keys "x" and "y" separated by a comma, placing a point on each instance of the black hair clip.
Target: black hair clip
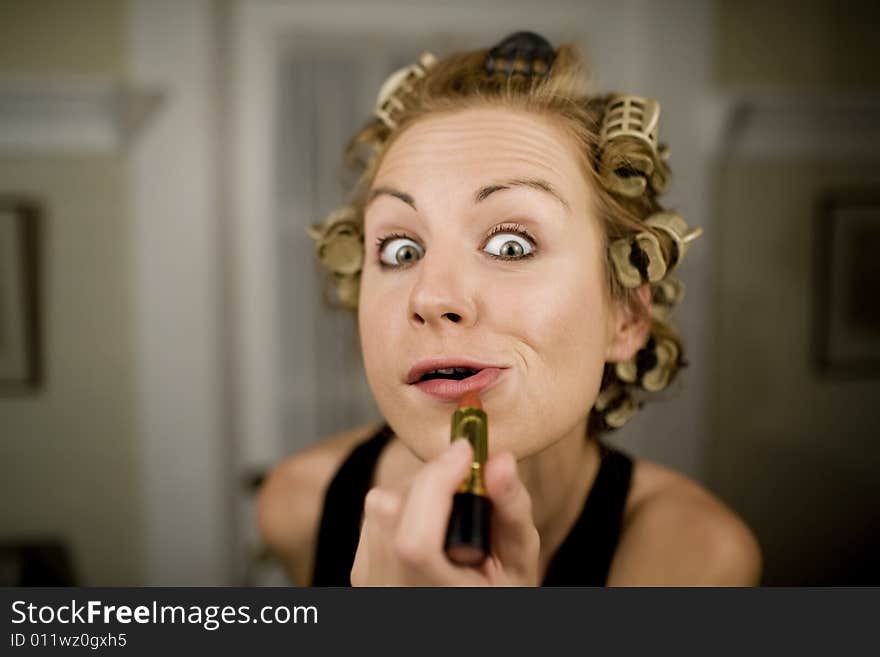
{"x": 525, "y": 53}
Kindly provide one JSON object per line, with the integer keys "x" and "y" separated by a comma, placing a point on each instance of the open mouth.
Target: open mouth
{"x": 453, "y": 373}
{"x": 450, "y": 381}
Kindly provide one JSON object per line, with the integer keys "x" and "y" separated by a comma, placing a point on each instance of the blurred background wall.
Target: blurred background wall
{"x": 794, "y": 439}
{"x": 69, "y": 449}
{"x": 179, "y": 150}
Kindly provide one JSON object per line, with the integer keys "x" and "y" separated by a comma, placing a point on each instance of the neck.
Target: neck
{"x": 558, "y": 479}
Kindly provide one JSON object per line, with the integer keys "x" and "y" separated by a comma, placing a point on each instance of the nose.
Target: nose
{"x": 442, "y": 293}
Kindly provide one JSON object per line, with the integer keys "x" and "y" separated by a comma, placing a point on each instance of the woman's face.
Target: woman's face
{"x": 482, "y": 247}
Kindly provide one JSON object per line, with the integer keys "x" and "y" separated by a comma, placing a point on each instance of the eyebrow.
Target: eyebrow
{"x": 390, "y": 191}
{"x": 481, "y": 195}
{"x": 534, "y": 183}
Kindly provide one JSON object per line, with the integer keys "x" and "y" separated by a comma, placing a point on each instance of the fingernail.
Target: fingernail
{"x": 379, "y": 500}
{"x": 459, "y": 447}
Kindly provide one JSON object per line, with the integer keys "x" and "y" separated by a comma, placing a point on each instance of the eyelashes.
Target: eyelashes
{"x": 408, "y": 245}
{"x": 525, "y": 241}
{"x": 512, "y": 228}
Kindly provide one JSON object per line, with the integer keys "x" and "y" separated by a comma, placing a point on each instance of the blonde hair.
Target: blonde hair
{"x": 458, "y": 82}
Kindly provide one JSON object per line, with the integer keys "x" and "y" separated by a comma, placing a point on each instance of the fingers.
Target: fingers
{"x": 381, "y": 510}
{"x": 403, "y": 533}
{"x": 361, "y": 568}
{"x": 515, "y": 539}
{"x": 382, "y": 507}
{"x": 425, "y": 516}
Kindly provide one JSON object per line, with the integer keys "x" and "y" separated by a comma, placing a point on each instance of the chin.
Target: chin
{"x": 426, "y": 440}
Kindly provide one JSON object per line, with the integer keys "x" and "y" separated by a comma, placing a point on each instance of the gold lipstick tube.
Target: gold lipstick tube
{"x": 467, "y": 536}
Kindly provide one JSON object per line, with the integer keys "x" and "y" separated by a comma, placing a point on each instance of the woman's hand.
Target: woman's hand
{"x": 403, "y": 533}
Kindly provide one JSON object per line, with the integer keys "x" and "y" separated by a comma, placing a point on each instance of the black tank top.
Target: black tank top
{"x": 583, "y": 558}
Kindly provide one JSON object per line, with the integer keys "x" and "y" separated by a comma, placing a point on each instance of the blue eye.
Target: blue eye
{"x": 396, "y": 251}
{"x": 509, "y": 246}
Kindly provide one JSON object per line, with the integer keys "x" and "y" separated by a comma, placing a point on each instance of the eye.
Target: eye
{"x": 397, "y": 250}
{"x": 510, "y": 243}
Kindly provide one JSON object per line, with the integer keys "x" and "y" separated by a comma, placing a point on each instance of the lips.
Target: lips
{"x": 423, "y": 367}
{"x": 450, "y": 389}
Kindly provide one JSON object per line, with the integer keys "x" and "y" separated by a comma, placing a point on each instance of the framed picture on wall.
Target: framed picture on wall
{"x": 848, "y": 284}
{"x": 20, "y": 329}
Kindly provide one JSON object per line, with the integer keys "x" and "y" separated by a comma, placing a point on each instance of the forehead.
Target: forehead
{"x": 483, "y": 143}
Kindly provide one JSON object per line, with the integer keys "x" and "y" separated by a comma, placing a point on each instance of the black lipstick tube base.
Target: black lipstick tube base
{"x": 467, "y": 537}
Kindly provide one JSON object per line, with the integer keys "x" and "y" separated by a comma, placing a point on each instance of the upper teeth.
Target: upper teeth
{"x": 451, "y": 370}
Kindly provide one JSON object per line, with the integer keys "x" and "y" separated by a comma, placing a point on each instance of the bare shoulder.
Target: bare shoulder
{"x": 289, "y": 503}
{"x": 677, "y": 533}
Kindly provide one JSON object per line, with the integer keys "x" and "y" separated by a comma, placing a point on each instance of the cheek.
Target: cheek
{"x": 564, "y": 312}
{"x": 376, "y": 327}
{"x": 566, "y": 328}
{"x": 562, "y": 327}
{"x": 369, "y": 327}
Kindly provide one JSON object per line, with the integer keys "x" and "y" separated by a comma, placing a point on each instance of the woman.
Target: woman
{"x": 505, "y": 225}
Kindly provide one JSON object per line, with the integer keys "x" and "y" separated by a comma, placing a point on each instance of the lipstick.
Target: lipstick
{"x": 467, "y": 536}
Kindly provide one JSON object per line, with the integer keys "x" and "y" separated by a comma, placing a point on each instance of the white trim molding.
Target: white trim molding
{"x": 177, "y": 298}
{"x": 71, "y": 115}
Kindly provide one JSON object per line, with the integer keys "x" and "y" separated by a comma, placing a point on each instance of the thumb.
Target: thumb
{"x": 515, "y": 539}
